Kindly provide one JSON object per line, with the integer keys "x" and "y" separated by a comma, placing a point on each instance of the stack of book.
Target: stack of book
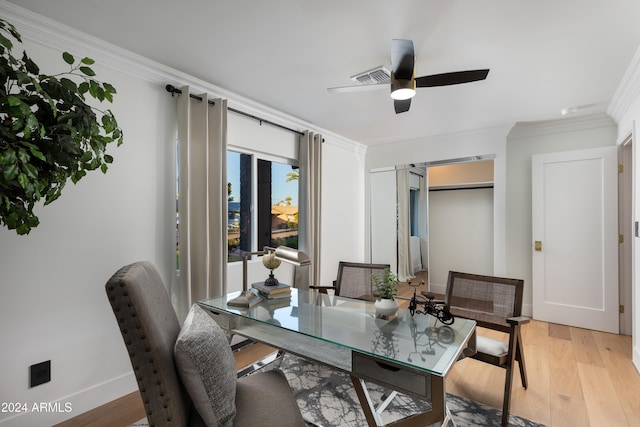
{"x": 272, "y": 292}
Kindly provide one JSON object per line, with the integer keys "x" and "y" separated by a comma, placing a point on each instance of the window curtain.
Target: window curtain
{"x": 405, "y": 269}
{"x": 310, "y": 207}
{"x": 202, "y": 200}
{"x": 423, "y": 222}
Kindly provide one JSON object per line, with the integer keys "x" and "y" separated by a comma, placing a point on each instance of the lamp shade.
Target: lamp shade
{"x": 292, "y": 256}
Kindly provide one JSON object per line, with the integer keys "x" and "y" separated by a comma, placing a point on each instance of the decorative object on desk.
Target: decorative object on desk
{"x": 438, "y": 309}
{"x": 279, "y": 291}
{"x": 270, "y": 261}
{"x": 283, "y": 253}
{"x": 385, "y": 291}
{"x": 280, "y": 288}
{"x": 385, "y": 307}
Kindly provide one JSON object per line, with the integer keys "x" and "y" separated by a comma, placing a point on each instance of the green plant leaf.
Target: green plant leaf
{"x": 69, "y": 85}
{"x": 10, "y": 172}
{"x": 23, "y": 229}
{"x": 29, "y": 64}
{"x": 13, "y": 101}
{"x": 6, "y": 42}
{"x": 109, "y": 88}
{"x": 23, "y": 156}
{"x": 87, "y": 71}
{"x": 38, "y": 154}
{"x": 68, "y": 58}
{"x": 83, "y": 87}
{"x": 23, "y": 180}
{"x": 31, "y": 171}
{"x": 88, "y": 61}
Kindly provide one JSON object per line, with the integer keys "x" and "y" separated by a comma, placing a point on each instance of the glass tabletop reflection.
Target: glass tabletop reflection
{"x": 418, "y": 341}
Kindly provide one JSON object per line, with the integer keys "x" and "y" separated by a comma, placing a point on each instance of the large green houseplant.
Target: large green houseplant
{"x": 48, "y": 133}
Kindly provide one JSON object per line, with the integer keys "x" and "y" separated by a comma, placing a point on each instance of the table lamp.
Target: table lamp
{"x": 282, "y": 253}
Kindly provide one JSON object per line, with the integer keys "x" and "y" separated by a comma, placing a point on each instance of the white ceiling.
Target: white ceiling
{"x": 544, "y": 55}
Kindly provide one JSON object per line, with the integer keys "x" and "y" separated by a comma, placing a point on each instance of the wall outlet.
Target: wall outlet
{"x": 39, "y": 373}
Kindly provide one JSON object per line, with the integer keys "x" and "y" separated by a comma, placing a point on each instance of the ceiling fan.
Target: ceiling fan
{"x": 403, "y": 81}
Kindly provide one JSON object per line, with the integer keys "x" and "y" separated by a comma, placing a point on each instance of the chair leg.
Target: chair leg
{"x": 513, "y": 349}
{"x": 507, "y": 395}
{"x": 521, "y": 364}
{"x": 448, "y": 417}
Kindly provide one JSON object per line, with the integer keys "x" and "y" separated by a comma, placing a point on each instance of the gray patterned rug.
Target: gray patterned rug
{"x": 327, "y": 399}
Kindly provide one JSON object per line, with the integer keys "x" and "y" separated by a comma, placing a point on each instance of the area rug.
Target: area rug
{"x": 327, "y": 399}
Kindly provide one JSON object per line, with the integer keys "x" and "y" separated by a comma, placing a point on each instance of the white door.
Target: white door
{"x": 575, "y": 236}
{"x": 383, "y": 217}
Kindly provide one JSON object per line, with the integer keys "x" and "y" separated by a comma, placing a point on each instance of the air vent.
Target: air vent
{"x": 378, "y": 75}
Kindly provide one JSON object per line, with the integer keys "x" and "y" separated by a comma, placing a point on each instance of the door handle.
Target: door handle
{"x": 537, "y": 245}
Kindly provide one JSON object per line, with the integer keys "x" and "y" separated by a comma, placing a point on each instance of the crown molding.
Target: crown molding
{"x": 570, "y": 124}
{"x": 498, "y": 131}
{"x": 55, "y": 35}
{"x": 628, "y": 90}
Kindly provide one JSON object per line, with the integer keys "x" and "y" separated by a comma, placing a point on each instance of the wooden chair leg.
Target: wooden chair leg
{"x": 513, "y": 349}
{"x": 521, "y": 364}
{"x": 507, "y": 395}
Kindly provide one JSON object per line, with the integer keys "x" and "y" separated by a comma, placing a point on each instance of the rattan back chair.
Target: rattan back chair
{"x": 354, "y": 280}
{"x": 494, "y": 303}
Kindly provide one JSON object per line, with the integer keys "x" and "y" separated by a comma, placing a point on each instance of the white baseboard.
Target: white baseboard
{"x": 50, "y": 413}
{"x": 636, "y": 357}
{"x": 437, "y": 288}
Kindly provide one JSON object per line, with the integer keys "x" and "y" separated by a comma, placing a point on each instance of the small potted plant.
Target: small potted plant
{"x": 386, "y": 288}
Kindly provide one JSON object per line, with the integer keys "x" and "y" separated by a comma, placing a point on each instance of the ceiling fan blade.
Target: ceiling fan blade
{"x": 401, "y": 105}
{"x": 454, "y": 78}
{"x": 402, "y": 58}
{"x": 358, "y": 88}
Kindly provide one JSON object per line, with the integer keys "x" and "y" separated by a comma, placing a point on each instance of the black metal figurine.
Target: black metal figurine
{"x": 438, "y": 309}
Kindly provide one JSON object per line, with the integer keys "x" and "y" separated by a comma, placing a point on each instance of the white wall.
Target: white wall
{"x": 52, "y": 300}
{"x": 626, "y": 109}
{"x": 460, "y": 234}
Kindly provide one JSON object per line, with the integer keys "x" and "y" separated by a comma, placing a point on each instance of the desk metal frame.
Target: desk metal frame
{"x": 339, "y": 332}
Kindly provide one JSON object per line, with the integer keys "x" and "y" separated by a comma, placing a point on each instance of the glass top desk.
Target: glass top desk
{"x": 411, "y": 355}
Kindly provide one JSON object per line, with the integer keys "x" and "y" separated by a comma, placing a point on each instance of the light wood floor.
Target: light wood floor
{"x": 577, "y": 377}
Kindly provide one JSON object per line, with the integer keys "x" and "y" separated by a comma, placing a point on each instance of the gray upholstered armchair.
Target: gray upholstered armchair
{"x": 199, "y": 385}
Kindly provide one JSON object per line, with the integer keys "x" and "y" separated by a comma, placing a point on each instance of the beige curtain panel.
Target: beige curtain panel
{"x": 405, "y": 268}
{"x": 310, "y": 207}
{"x": 202, "y": 200}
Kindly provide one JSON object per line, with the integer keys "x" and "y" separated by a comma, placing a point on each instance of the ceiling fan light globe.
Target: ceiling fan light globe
{"x": 402, "y": 89}
{"x": 403, "y": 93}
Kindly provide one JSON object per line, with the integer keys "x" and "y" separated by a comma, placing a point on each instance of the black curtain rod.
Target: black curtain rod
{"x": 175, "y": 91}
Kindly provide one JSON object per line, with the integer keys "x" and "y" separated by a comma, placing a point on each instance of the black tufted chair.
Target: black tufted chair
{"x": 149, "y": 327}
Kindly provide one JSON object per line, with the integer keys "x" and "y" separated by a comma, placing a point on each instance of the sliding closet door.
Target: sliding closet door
{"x": 383, "y": 218}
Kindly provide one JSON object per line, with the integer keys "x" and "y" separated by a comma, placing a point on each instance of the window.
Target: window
{"x": 272, "y": 187}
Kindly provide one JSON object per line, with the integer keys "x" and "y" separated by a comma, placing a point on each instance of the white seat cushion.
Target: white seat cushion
{"x": 491, "y": 346}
